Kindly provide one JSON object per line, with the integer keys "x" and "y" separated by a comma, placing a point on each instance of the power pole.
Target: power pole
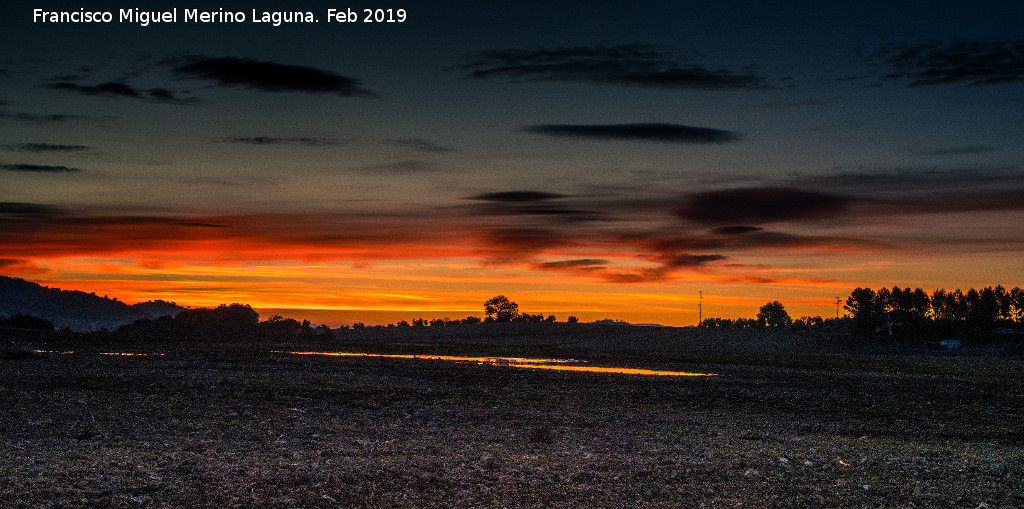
{"x": 838, "y": 300}
{"x": 700, "y": 308}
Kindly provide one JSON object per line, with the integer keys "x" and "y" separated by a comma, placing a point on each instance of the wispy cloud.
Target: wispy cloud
{"x": 965, "y": 150}
{"x": 114, "y": 89}
{"x": 404, "y": 168}
{"x": 20, "y": 210}
{"x": 973, "y": 62}
{"x": 641, "y": 65}
{"x": 47, "y": 147}
{"x": 517, "y": 196}
{"x": 38, "y": 168}
{"x": 236, "y": 72}
{"x": 420, "y": 145}
{"x": 40, "y": 117}
{"x": 277, "y": 140}
{"x": 654, "y": 132}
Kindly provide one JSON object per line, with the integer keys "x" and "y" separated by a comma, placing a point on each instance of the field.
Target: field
{"x": 787, "y": 421}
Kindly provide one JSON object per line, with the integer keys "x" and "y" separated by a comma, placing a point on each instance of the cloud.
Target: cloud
{"x": 517, "y": 196}
{"x": 270, "y": 77}
{"x": 19, "y": 210}
{"x": 526, "y": 204}
{"x": 663, "y": 133}
{"x": 693, "y": 260}
{"x": 806, "y": 103}
{"x": 761, "y": 205}
{"x": 23, "y": 267}
{"x": 38, "y": 168}
{"x": 905, "y": 182}
{"x": 276, "y": 140}
{"x": 47, "y": 147}
{"x": 736, "y": 230}
{"x": 403, "y": 168}
{"x": 420, "y": 145}
{"x": 942, "y": 62}
{"x": 40, "y": 117}
{"x": 584, "y": 263}
{"x": 966, "y": 150}
{"x": 639, "y": 65}
{"x": 114, "y": 89}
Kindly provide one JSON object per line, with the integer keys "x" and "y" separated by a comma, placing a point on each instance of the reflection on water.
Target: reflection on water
{"x": 515, "y": 362}
{"x": 133, "y": 354}
{"x": 121, "y": 354}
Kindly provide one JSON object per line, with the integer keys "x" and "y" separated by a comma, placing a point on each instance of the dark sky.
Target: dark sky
{"x": 596, "y": 158}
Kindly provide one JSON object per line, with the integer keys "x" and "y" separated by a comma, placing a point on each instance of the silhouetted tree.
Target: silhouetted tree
{"x": 905, "y": 310}
{"x": 1016, "y": 299}
{"x": 572, "y": 319}
{"x": 773, "y": 314}
{"x": 501, "y": 309}
{"x": 866, "y": 309}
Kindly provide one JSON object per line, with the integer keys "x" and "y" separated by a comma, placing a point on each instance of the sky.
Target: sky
{"x": 639, "y": 161}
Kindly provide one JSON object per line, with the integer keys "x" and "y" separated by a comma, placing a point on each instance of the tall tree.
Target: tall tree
{"x": 866, "y": 308}
{"x": 500, "y": 309}
{"x": 773, "y": 314}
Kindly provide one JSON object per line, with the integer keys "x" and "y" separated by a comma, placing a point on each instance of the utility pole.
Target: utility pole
{"x": 700, "y": 308}
{"x": 838, "y": 300}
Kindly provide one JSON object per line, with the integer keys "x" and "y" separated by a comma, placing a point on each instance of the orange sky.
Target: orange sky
{"x": 612, "y": 165}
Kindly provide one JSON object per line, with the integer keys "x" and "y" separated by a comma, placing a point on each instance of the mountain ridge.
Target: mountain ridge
{"x": 73, "y": 309}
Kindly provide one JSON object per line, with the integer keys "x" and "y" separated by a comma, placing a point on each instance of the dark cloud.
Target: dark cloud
{"x": 517, "y": 196}
{"x": 40, "y": 117}
{"x": 807, "y": 103}
{"x": 114, "y": 89}
{"x": 202, "y": 225}
{"x": 760, "y": 205}
{"x": 973, "y": 62}
{"x": 18, "y": 210}
{"x": 693, "y": 260}
{"x": 47, "y": 147}
{"x": 584, "y": 263}
{"x": 270, "y": 76}
{"x": 914, "y": 181}
{"x": 420, "y": 145}
{"x": 640, "y": 65}
{"x": 403, "y": 168}
{"x": 664, "y": 133}
{"x": 968, "y": 150}
{"x": 736, "y": 230}
{"x": 276, "y": 140}
{"x": 38, "y": 168}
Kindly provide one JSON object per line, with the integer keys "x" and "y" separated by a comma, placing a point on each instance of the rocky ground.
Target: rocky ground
{"x": 233, "y": 426}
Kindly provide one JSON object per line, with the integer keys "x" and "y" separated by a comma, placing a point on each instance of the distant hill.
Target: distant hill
{"x": 73, "y": 309}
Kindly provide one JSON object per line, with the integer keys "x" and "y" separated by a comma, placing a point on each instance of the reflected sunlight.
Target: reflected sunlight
{"x": 515, "y": 362}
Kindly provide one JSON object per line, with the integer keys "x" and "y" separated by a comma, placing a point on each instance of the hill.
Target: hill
{"x": 73, "y": 309}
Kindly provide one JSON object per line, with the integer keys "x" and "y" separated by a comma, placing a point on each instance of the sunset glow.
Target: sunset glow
{"x": 612, "y": 165}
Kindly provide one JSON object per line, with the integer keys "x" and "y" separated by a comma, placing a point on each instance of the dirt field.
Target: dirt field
{"x": 231, "y": 426}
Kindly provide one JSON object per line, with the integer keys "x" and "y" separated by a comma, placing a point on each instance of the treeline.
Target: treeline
{"x": 904, "y": 313}
{"x": 224, "y": 322}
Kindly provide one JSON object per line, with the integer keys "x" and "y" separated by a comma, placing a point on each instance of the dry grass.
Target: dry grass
{"x": 245, "y": 427}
